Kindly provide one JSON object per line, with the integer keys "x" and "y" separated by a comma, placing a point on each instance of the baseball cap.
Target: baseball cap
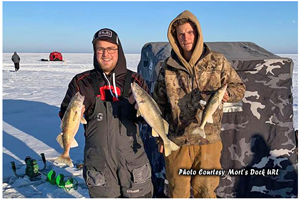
{"x": 107, "y": 35}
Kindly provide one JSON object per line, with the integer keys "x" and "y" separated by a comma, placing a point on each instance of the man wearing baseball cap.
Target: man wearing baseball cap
{"x": 115, "y": 162}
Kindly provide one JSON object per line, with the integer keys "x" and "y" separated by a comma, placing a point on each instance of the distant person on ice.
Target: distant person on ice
{"x": 16, "y": 59}
{"x": 115, "y": 162}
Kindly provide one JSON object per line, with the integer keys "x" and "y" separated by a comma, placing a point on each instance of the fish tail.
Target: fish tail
{"x": 173, "y": 146}
{"x": 199, "y": 131}
{"x": 65, "y": 160}
{"x": 169, "y": 147}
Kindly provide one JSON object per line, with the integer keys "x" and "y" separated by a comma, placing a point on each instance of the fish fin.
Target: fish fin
{"x": 138, "y": 113}
{"x": 83, "y": 121}
{"x": 166, "y": 127}
{"x": 59, "y": 139}
{"x": 210, "y": 119}
{"x": 64, "y": 160}
{"x": 154, "y": 134}
{"x": 173, "y": 146}
{"x": 199, "y": 131}
{"x": 75, "y": 115}
{"x": 74, "y": 143}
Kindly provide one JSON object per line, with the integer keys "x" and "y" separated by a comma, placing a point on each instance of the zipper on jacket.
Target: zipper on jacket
{"x": 120, "y": 120}
{"x": 192, "y": 82}
{"x": 194, "y": 78}
{"x": 107, "y": 130}
{"x": 189, "y": 84}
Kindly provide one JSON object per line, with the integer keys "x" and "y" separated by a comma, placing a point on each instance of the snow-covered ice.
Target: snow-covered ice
{"x": 31, "y": 101}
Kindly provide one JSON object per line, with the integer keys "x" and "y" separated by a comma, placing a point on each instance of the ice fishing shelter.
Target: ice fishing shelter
{"x": 257, "y": 133}
{"x": 56, "y": 56}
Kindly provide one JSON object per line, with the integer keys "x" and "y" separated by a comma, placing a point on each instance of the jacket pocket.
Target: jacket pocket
{"x": 141, "y": 183}
{"x": 95, "y": 178}
{"x": 141, "y": 174}
{"x": 96, "y": 172}
{"x": 139, "y": 168}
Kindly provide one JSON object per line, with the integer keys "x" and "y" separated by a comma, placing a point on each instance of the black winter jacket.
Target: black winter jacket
{"x": 83, "y": 83}
{"x": 15, "y": 58}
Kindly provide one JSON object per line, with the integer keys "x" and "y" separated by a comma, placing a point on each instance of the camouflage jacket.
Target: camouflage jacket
{"x": 182, "y": 90}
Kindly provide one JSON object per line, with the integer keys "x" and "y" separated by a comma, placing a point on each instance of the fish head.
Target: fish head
{"x": 223, "y": 89}
{"x": 220, "y": 93}
{"x": 137, "y": 91}
{"x": 78, "y": 99}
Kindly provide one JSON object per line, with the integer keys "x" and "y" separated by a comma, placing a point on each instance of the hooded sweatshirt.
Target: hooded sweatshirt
{"x": 183, "y": 88}
{"x": 114, "y": 158}
{"x": 109, "y": 84}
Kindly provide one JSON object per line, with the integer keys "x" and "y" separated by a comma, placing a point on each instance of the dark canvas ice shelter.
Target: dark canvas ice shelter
{"x": 257, "y": 133}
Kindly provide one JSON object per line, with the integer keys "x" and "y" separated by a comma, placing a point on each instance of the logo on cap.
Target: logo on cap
{"x": 105, "y": 33}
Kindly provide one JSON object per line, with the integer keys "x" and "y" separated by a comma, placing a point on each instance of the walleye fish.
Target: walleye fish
{"x": 70, "y": 125}
{"x": 150, "y": 111}
{"x": 214, "y": 102}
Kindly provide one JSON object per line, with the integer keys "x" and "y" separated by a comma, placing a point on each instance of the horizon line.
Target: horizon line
{"x": 124, "y": 53}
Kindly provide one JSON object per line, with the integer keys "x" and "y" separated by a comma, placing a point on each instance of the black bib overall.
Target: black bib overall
{"x": 115, "y": 162}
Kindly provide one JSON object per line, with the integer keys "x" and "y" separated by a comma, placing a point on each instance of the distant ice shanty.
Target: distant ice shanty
{"x": 55, "y": 56}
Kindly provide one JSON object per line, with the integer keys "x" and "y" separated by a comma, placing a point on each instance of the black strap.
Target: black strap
{"x": 127, "y": 83}
{"x": 95, "y": 82}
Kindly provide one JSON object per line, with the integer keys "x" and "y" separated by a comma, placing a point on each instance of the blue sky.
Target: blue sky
{"x": 69, "y": 26}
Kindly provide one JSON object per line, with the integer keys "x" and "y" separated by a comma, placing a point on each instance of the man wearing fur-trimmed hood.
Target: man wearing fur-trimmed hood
{"x": 186, "y": 81}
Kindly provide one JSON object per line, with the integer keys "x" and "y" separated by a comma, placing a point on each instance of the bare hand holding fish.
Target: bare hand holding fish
{"x": 214, "y": 102}
{"x": 226, "y": 97}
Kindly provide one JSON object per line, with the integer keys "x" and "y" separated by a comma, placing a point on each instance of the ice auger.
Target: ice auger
{"x": 32, "y": 168}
